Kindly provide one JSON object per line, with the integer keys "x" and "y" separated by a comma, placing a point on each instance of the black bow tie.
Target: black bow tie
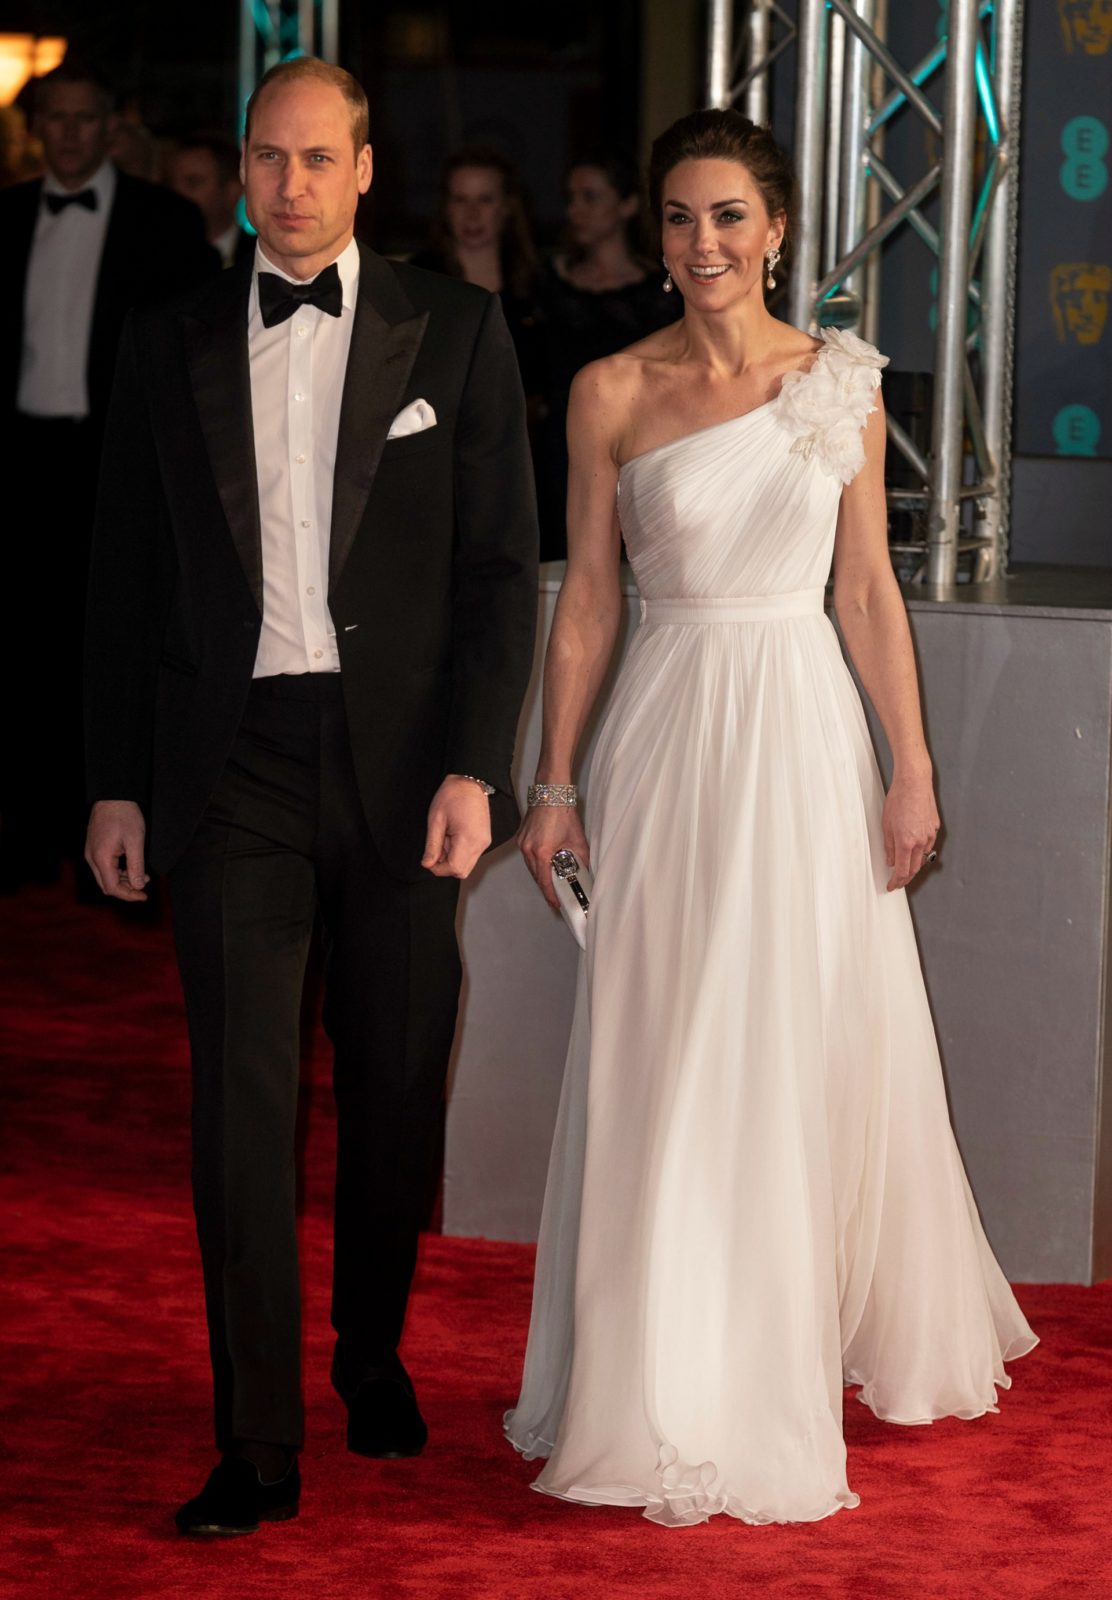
{"x": 58, "y": 202}
{"x": 279, "y": 298}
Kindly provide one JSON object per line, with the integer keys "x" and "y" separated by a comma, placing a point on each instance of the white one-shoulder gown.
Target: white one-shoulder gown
{"x": 754, "y": 1196}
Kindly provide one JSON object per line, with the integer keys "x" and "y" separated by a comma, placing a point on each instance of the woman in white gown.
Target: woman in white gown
{"x": 755, "y": 1196}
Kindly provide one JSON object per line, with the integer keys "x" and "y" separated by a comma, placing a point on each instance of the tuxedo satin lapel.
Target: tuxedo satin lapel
{"x": 381, "y": 357}
{"x": 216, "y": 352}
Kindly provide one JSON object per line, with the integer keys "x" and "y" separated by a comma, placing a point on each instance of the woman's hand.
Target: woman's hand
{"x": 911, "y": 825}
{"x": 545, "y": 830}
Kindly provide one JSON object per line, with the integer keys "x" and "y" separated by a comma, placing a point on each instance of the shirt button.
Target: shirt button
{"x": 317, "y": 654}
{"x": 299, "y": 458}
{"x": 302, "y": 330}
{"x": 310, "y": 590}
{"x": 299, "y": 396}
{"x": 305, "y": 523}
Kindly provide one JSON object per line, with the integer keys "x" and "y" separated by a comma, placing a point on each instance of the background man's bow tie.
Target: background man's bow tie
{"x": 86, "y": 198}
{"x": 279, "y": 298}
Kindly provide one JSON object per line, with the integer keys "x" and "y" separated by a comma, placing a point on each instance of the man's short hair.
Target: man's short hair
{"x": 224, "y": 152}
{"x": 321, "y": 72}
{"x": 75, "y": 70}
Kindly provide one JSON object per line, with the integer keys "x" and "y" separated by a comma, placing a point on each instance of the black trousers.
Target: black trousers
{"x": 283, "y": 836}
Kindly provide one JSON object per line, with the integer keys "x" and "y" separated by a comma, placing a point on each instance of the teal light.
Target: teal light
{"x": 985, "y": 94}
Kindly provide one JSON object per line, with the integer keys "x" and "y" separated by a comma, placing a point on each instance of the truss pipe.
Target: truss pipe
{"x": 998, "y": 283}
{"x": 855, "y": 110}
{"x": 720, "y": 39}
{"x": 835, "y": 91}
{"x": 810, "y": 120}
{"x": 949, "y": 352}
{"x": 758, "y": 43}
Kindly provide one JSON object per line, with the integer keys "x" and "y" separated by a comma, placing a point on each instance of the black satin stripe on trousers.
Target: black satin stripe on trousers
{"x": 284, "y": 835}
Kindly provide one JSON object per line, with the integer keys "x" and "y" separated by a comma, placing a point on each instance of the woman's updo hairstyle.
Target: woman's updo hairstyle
{"x": 725, "y": 136}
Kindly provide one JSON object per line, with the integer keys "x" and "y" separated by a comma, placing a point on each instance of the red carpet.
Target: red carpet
{"x": 106, "y": 1421}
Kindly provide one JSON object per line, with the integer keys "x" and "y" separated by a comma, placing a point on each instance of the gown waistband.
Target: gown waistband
{"x": 739, "y": 608}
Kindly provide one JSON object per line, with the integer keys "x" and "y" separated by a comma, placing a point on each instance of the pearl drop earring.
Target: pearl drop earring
{"x": 772, "y": 257}
{"x": 668, "y": 284}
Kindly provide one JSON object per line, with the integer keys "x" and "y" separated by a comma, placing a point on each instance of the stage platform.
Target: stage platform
{"x": 1013, "y": 926}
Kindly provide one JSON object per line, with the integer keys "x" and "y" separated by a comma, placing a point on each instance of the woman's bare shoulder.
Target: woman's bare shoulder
{"x": 796, "y": 346}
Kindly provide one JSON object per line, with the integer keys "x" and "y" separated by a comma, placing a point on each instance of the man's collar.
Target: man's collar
{"x": 347, "y": 264}
{"x": 102, "y": 183}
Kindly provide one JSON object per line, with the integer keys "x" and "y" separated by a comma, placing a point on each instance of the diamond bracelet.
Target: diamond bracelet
{"x": 552, "y": 794}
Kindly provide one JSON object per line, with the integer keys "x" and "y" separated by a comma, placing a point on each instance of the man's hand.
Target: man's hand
{"x": 117, "y": 831}
{"x": 459, "y": 828}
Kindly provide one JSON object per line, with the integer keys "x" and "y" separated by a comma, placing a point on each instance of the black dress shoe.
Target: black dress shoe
{"x": 384, "y": 1421}
{"x": 235, "y": 1500}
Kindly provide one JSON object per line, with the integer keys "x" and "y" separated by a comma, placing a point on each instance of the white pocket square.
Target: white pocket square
{"x": 413, "y": 418}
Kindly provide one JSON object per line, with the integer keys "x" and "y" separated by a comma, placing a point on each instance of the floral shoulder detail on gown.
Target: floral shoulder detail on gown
{"x": 826, "y": 407}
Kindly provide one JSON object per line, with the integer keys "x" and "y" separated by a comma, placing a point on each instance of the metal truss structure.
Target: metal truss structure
{"x": 849, "y": 87}
{"x": 277, "y": 30}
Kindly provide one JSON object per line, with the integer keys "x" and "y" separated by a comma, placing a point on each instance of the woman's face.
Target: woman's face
{"x": 595, "y": 209}
{"x": 716, "y": 231}
{"x": 475, "y": 207}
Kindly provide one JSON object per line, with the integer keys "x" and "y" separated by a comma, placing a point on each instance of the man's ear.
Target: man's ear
{"x": 364, "y": 168}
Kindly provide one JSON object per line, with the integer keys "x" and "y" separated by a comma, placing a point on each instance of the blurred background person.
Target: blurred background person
{"x": 601, "y": 292}
{"x": 82, "y": 245}
{"x": 482, "y": 234}
{"x": 204, "y": 168}
{"x": 134, "y": 148}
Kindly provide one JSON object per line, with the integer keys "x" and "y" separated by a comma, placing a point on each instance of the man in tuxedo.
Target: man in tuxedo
{"x": 81, "y": 246}
{"x": 204, "y": 168}
{"x": 311, "y": 620}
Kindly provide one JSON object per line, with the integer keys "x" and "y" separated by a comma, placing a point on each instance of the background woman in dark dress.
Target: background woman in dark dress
{"x": 482, "y": 234}
{"x": 603, "y": 291}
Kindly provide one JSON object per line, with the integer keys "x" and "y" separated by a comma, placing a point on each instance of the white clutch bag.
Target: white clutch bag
{"x": 574, "y": 886}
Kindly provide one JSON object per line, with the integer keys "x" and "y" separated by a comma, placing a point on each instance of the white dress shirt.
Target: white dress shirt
{"x": 226, "y": 244}
{"x": 58, "y": 302}
{"x": 297, "y": 381}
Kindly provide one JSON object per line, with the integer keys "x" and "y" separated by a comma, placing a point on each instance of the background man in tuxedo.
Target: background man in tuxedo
{"x": 81, "y": 246}
{"x": 204, "y": 168}
{"x": 311, "y": 620}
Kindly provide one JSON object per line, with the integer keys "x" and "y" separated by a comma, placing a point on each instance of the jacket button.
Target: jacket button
{"x": 248, "y": 625}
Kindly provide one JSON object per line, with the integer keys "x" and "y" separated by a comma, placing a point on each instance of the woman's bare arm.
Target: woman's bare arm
{"x": 587, "y": 612}
{"x": 873, "y": 621}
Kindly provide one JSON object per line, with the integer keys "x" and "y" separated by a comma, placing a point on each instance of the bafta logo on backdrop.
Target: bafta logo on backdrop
{"x": 1079, "y": 293}
{"x": 1086, "y": 25}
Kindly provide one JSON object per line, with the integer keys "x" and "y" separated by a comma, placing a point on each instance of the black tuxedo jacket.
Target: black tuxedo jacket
{"x": 432, "y": 574}
{"x": 154, "y": 247}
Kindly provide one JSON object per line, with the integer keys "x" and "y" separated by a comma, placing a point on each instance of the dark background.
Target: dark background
{"x": 548, "y": 82}
{"x": 543, "y": 82}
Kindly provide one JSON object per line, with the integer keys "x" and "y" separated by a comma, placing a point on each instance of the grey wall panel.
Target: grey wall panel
{"x": 1012, "y": 926}
{"x": 520, "y": 966}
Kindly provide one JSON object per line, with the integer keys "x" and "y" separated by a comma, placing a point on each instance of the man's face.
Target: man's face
{"x": 302, "y": 179}
{"x": 75, "y": 125}
{"x": 196, "y": 175}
